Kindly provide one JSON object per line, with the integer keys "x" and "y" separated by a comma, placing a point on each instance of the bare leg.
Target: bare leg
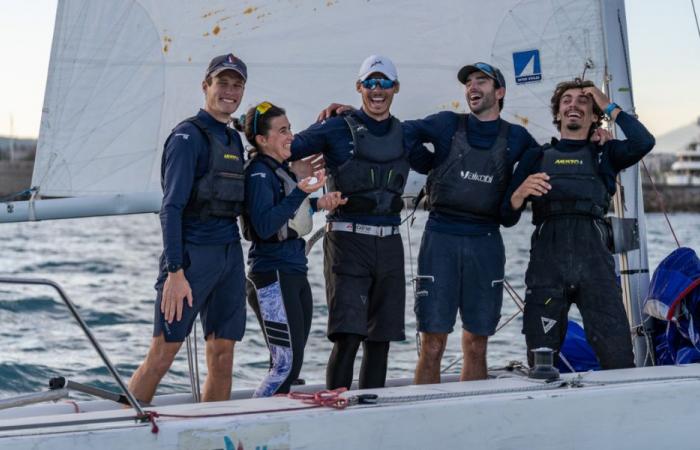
{"x": 431, "y": 351}
{"x": 217, "y": 386}
{"x": 474, "y": 350}
{"x": 160, "y": 356}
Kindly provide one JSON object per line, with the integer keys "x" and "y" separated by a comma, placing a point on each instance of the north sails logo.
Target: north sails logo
{"x": 376, "y": 63}
{"x": 474, "y": 176}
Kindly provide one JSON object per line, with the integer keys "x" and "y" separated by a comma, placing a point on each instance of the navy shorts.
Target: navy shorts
{"x": 217, "y": 279}
{"x": 460, "y": 272}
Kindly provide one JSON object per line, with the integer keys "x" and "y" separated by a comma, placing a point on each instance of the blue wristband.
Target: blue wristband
{"x": 611, "y": 107}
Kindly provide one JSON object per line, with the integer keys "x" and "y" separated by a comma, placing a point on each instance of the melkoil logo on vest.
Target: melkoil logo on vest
{"x": 474, "y": 176}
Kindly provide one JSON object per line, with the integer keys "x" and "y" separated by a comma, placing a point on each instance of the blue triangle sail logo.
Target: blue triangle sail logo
{"x": 527, "y": 66}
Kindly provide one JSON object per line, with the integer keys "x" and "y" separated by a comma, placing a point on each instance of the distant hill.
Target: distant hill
{"x": 677, "y": 139}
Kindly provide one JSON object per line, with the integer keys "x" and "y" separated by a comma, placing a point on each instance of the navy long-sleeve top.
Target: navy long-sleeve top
{"x": 333, "y": 138}
{"x": 615, "y": 155}
{"x": 185, "y": 161}
{"x": 438, "y": 129}
{"x": 269, "y": 209}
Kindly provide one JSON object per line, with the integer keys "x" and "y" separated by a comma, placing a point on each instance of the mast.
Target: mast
{"x": 628, "y": 202}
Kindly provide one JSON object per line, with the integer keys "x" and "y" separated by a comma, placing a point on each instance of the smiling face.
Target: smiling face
{"x": 223, "y": 95}
{"x": 482, "y": 96}
{"x": 277, "y": 142}
{"x": 575, "y": 114}
{"x": 376, "y": 102}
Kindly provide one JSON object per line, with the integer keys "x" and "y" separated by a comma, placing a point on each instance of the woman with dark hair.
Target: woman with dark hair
{"x": 278, "y": 213}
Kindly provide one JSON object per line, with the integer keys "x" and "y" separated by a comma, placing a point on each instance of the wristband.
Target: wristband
{"x": 172, "y": 268}
{"x": 610, "y": 108}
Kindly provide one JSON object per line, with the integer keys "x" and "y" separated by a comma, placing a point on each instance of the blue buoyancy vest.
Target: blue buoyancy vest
{"x": 220, "y": 191}
{"x": 299, "y": 225}
{"x": 471, "y": 181}
{"x": 577, "y": 185}
{"x": 373, "y": 179}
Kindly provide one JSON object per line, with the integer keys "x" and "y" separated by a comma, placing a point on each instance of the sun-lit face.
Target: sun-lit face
{"x": 481, "y": 94}
{"x": 377, "y": 101}
{"x": 223, "y": 96}
{"x": 277, "y": 143}
{"x": 576, "y": 111}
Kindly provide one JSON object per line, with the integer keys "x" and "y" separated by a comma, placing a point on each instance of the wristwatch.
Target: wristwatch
{"x": 610, "y": 108}
{"x": 172, "y": 268}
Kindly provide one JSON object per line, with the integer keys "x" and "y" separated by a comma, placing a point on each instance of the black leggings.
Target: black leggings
{"x": 283, "y": 304}
{"x": 342, "y": 360}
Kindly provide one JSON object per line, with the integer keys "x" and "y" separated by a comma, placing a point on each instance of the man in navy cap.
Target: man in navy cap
{"x": 201, "y": 267}
{"x": 462, "y": 258}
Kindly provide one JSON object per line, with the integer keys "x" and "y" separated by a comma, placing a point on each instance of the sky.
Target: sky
{"x": 663, "y": 39}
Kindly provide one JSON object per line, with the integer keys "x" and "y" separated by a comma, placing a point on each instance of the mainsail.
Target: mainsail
{"x": 122, "y": 74}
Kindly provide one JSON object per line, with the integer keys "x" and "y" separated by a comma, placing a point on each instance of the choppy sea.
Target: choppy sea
{"x": 108, "y": 267}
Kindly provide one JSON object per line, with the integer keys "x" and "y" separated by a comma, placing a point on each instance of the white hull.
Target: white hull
{"x": 646, "y": 408}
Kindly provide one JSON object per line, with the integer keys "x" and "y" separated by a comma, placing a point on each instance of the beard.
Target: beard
{"x": 487, "y": 102}
{"x": 573, "y": 126}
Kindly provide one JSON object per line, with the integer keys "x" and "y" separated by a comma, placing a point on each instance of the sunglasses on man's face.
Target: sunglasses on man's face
{"x": 383, "y": 83}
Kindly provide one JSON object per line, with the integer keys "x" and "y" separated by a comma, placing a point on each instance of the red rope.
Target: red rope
{"x": 327, "y": 398}
{"x": 75, "y": 406}
{"x": 330, "y": 399}
{"x": 151, "y": 417}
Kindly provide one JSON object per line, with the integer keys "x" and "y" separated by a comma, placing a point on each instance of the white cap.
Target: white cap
{"x": 377, "y": 63}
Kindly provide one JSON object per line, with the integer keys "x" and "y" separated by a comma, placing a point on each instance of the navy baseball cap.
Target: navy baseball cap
{"x": 487, "y": 69}
{"x": 226, "y": 62}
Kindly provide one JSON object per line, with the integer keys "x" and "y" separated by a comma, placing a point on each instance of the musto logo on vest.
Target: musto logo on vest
{"x": 568, "y": 162}
{"x": 474, "y": 176}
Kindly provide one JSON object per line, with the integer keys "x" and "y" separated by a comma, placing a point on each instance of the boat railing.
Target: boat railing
{"x": 63, "y": 390}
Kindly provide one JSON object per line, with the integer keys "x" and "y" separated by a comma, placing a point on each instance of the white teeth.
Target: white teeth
{"x": 226, "y": 100}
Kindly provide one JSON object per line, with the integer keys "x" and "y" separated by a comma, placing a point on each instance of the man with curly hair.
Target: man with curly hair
{"x": 570, "y": 183}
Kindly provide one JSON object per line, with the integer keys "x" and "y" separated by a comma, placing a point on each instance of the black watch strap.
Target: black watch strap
{"x": 172, "y": 268}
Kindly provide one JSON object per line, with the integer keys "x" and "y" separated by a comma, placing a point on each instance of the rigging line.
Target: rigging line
{"x": 695, "y": 14}
{"x": 660, "y": 199}
{"x": 627, "y": 61}
{"x": 521, "y": 308}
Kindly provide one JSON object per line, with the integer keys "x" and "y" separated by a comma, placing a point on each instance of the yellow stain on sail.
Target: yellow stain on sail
{"x": 249, "y": 10}
{"x": 166, "y": 43}
{"x": 216, "y": 30}
{"x": 455, "y": 104}
{"x": 211, "y": 13}
{"x": 524, "y": 120}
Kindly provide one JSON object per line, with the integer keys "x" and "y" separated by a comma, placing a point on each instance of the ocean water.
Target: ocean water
{"x": 108, "y": 267}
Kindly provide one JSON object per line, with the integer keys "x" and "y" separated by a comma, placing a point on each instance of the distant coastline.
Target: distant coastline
{"x": 16, "y": 165}
{"x": 16, "y": 176}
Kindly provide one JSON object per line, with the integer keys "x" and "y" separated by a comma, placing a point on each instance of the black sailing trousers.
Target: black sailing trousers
{"x": 570, "y": 262}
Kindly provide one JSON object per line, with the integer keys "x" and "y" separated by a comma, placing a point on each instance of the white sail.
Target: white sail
{"x": 123, "y": 74}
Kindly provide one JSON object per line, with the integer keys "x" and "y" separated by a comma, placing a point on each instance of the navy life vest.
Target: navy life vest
{"x": 577, "y": 186}
{"x": 220, "y": 191}
{"x": 471, "y": 181}
{"x": 299, "y": 225}
{"x": 374, "y": 177}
